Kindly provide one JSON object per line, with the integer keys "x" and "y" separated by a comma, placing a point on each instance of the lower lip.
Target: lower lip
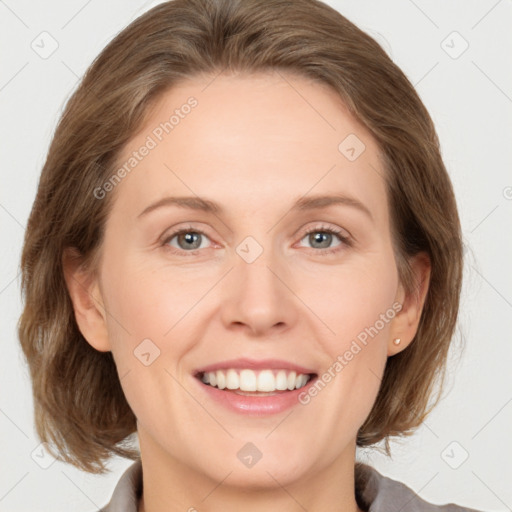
{"x": 256, "y": 405}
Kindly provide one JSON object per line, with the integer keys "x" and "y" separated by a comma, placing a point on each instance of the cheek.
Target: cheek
{"x": 356, "y": 303}
{"x": 144, "y": 312}
{"x": 351, "y": 299}
{"x": 150, "y": 302}
{"x": 154, "y": 320}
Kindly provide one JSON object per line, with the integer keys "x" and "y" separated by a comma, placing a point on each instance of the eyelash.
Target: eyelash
{"x": 321, "y": 229}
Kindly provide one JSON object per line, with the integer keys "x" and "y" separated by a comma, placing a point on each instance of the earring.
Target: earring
{"x": 397, "y": 341}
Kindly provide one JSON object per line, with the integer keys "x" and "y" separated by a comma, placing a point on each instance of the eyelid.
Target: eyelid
{"x": 326, "y": 227}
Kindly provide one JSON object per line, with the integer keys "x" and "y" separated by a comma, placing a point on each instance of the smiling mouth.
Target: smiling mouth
{"x": 255, "y": 383}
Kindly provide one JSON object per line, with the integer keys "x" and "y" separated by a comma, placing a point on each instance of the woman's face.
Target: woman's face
{"x": 254, "y": 266}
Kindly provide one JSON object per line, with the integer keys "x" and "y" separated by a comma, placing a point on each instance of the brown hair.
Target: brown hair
{"x": 79, "y": 404}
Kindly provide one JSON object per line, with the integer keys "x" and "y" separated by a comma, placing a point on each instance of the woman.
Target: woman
{"x": 245, "y": 248}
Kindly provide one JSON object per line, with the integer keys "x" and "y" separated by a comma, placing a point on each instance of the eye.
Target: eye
{"x": 322, "y": 237}
{"x": 186, "y": 239}
{"x": 191, "y": 240}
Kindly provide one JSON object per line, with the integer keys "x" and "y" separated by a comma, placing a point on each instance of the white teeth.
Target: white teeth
{"x": 266, "y": 381}
{"x": 301, "y": 381}
{"x": 249, "y": 380}
{"x": 232, "y": 380}
{"x": 292, "y": 376}
{"x": 221, "y": 380}
{"x": 281, "y": 381}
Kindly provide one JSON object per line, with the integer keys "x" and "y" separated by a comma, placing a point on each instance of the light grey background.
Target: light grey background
{"x": 469, "y": 95}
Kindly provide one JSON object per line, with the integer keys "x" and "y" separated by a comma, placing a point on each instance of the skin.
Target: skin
{"x": 254, "y": 145}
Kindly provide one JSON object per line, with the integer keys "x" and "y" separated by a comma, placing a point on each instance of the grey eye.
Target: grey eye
{"x": 187, "y": 240}
{"x": 320, "y": 237}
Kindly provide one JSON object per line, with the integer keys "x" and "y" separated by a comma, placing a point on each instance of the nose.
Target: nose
{"x": 258, "y": 298}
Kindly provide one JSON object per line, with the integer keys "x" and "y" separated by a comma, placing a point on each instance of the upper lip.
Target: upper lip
{"x": 254, "y": 364}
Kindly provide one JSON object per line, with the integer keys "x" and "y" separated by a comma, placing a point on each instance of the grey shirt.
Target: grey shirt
{"x": 374, "y": 493}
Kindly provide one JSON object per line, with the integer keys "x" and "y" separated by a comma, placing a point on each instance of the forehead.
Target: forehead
{"x": 250, "y": 141}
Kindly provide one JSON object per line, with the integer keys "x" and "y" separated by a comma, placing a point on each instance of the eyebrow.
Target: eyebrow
{"x": 302, "y": 204}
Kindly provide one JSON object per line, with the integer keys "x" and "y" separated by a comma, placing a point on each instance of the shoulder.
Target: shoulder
{"x": 127, "y": 491}
{"x": 378, "y": 493}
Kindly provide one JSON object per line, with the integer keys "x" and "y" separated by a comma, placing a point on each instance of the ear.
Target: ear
{"x": 405, "y": 324}
{"x": 84, "y": 290}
